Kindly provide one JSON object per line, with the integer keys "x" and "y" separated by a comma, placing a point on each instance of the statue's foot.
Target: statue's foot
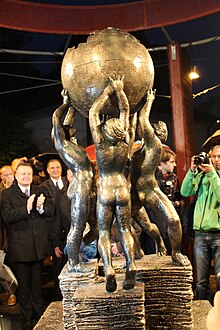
{"x": 78, "y": 268}
{"x": 139, "y": 254}
{"x": 180, "y": 259}
{"x": 162, "y": 251}
{"x": 111, "y": 284}
{"x": 130, "y": 279}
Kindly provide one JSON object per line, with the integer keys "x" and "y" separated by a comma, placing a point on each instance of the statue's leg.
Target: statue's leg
{"x": 150, "y": 228}
{"x": 94, "y": 232}
{"x": 138, "y": 252}
{"x": 162, "y": 206}
{"x": 79, "y": 216}
{"x": 127, "y": 242}
{"x": 104, "y": 218}
{"x": 74, "y": 240}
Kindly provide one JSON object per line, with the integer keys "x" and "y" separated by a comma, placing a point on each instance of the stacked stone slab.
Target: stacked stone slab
{"x": 69, "y": 282}
{"x": 53, "y": 316}
{"x": 96, "y": 309}
{"x": 161, "y": 299}
{"x": 168, "y": 293}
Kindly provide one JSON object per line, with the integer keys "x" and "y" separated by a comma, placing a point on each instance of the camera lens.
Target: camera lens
{"x": 201, "y": 158}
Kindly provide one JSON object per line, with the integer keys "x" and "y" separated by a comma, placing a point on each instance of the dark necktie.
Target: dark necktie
{"x": 57, "y": 186}
{"x": 26, "y": 192}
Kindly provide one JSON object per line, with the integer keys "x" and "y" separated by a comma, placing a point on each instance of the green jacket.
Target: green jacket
{"x": 207, "y": 209}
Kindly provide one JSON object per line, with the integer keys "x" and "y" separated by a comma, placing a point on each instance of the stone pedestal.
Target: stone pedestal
{"x": 162, "y": 297}
{"x": 53, "y": 316}
{"x": 96, "y": 309}
{"x": 168, "y": 293}
{"x": 69, "y": 282}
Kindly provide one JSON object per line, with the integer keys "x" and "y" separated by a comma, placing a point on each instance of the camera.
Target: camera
{"x": 201, "y": 158}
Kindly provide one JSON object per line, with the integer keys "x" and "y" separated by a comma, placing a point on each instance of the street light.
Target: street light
{"x": 194, "y": 73}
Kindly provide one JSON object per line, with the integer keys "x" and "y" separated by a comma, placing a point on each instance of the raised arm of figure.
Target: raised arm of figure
{"x": 145, "y": 128}
{"x": 70, "y": 152}
{"x": 132, "y": 128}
{"x": 123, "y": 104}
{"x": 58, "y": 133}
{"x": 95, "y": 110}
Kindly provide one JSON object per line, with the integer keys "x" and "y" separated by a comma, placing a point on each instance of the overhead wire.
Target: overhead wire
{"x": 28, "y": 88}
{"x": 152, "y": 49}
{"x": 29, "y": 52}
{"x": 30, "y": 62}
{"x": 27, "y": 77}
{"x": 56, "y": 82}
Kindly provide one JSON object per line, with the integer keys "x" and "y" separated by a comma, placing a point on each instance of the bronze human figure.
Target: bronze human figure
{"x": 143, "y": 166}
{"x": 80, "y": 189}
{"x": 111, "y": 140}
{"x": 139, "y": 214}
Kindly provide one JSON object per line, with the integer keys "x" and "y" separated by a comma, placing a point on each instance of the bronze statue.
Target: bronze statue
{"x": 143, "y": 181}
{"x": 90, "y": 77}
{"x": 80, "y": 189}
{"x": 112, "y": 141}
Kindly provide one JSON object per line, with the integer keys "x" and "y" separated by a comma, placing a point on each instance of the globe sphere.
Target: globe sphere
{"x": 110, "y": 52}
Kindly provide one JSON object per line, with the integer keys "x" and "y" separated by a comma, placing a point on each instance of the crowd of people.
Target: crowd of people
{"x": 36, "y": 219}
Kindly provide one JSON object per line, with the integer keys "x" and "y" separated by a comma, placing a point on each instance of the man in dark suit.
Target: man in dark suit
{"x": 56, "y": 189}
{"x": 27, "y": 239}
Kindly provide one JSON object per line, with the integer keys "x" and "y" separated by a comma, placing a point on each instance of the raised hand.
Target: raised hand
{"x": 118, "y": 83}
{"x": 193, "y": 166}
{"x": 150, "y": 95}
{"x": 40, "y": 201}
{"x": 206, "y": 168}
{"x": 30, "y": 203}
{"x": 65, "y": 96}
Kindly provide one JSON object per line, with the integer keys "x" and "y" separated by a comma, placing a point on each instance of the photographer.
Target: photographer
{"x": 204, "y": 173}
